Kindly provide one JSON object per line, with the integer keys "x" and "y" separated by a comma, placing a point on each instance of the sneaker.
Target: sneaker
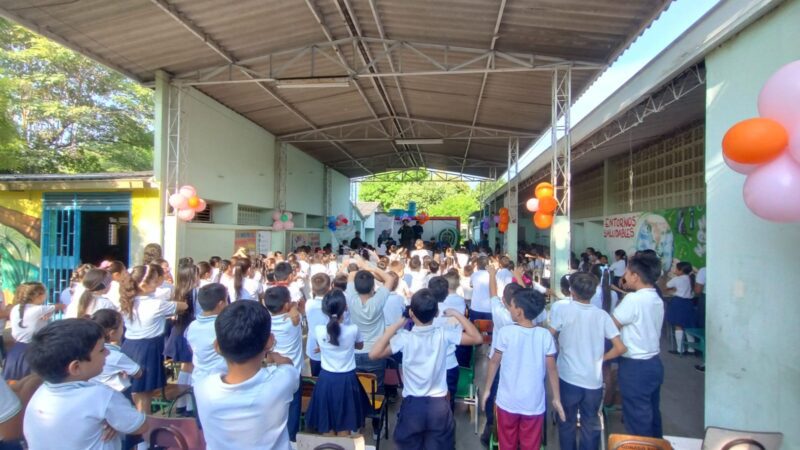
{"x": 486, "y": 435}
{"x": 700, "y": 368}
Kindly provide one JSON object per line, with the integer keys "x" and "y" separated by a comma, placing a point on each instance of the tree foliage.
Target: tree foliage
{"x": 68, "y": 114}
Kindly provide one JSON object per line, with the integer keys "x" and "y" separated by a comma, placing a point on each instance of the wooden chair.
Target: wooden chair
{"x": 633, "y": 442}
{"x": 173, "y": 433}
{"x": 485, "y": 327}
{"x": 306, "y": 391}
{"x": 717, "y": 438}
{"x": 378, "y": 405}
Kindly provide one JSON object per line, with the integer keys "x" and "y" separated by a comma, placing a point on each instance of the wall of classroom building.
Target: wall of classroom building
{"x": 753, "y": 362}
{"x": 233, "y": 163}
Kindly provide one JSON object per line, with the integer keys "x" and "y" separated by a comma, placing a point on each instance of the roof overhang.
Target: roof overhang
{"x": 84, "y": 181}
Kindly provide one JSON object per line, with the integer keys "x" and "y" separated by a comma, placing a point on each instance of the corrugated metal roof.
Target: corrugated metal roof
{"x": 5, "y": 178}
{"x": 139, "y": 37}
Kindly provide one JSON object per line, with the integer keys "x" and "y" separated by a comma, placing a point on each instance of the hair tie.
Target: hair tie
{"x": 334, "y": 316}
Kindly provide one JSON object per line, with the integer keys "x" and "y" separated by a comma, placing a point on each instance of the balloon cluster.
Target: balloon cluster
{"x": 757, "y": 148}
{"x": 502, "y": 223}
{"x": 423, "y": 217}
{"x": 485, "y": 225}
{"x": 335, "y": 222}
{"x": 186, "y": 203}
{"x": 543, "y": 205}
{"x": 282, "y": 220}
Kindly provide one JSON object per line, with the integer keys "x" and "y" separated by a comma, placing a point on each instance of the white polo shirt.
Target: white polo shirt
{"x": 393, "y": 309}
{"x": 617, "y": 268}
{"x": 314, "y": 317}
{"x": 641, "y": 314}
{"x": 338, "y": 358}
{"x": 682, "y": 285}
{"x": 524, "y": 354}
{"x": 425, "y": 358}
{"x": 9, "y": 403}
{"x": 251, "y": 289}
{"x": 367, "y": 316}
{"x": 453, "y": 301}
{"x": 35, "y": 318}
{"x": 583, "y": 329}
{"x": 150, "y": 315}
{"x": 480, "y": 292}
{"x": 555, "y": 308}
{"x": 503, "y": 277}
{"x": 418, "y": 280}
{"x": 700, "y": 278}
{"x": 71, "y": 415}
{"x": 95, "y": 305}
{"x": 117, "y": 364}
{"x": 201, "y": 336}
{"x": 597, "y": 298}
{"x": 288, "y": 339}
{"x": 447, "y": 323}
{"x": 251, "y": 415}
{"x": 501, "y": 317}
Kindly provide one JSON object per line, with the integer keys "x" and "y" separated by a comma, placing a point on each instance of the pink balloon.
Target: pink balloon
{"x": 779, "y": 99}
{"x": 278, "y": 225}
{"x": 794, "y": 143}
{"x": 288, "y": 225}
{"x": 532, "y": 204}
{"x": 201, "y": 205}
{"x": 276, "y": 216}
{"x": 288, "y": 215}
{"x": 771, "y": 192}
{"x": 496, "y": 219}
{"x": 178, "y": 201}
{"x": 187, "y": 191}
{"x": 744, "y": 169}
{"x": 186, "y": 214}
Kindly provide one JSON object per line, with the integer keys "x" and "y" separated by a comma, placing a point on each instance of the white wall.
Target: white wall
{"x": 753, "y": 362}
{"x": 305, "y": 183}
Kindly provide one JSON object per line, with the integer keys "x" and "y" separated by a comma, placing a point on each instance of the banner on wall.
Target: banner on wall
{"x": 677, "y": 234}
{"x": 254, "y": 241}
{"x": 303, "y": 238}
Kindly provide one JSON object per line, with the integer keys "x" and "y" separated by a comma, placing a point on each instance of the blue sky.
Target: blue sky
{"x": 677, "y": 19}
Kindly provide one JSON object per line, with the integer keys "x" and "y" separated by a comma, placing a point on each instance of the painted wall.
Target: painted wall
{"x": 753, "y": 363}
{"x": 20, "y": 228}
{"x": 340, "y": 202}
{"x": 305, "y": 183}
{"x": 145, "y": 221}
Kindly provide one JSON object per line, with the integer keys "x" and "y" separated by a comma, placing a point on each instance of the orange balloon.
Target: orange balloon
{"x": 193, "y": 202}
{"x": 503, "y": 212}
{"x": 542, "y": 220}
{"x": 547, "y": 205}
{"x": 503, "y": 227}
{"x": 543, "y": 189}
{"x": 755, "y": 141}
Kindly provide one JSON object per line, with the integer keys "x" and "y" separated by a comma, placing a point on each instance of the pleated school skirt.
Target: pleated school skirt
{"x": 16, "y": 367}
{"x": 176, "y": 347}
{"x": 338, "y": 403}
{"x": 149, "y": 354}
{"x": 681, "y": 312}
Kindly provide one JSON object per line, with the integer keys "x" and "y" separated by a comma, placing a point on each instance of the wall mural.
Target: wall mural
{"x": 19, "y": 249}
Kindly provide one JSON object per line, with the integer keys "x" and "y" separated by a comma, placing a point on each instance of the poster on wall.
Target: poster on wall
{"x": 677, "y": 234}
{"x": 253, "y": 241}
{"x": 20, "y": 254}
{"x": 303, "y": 238}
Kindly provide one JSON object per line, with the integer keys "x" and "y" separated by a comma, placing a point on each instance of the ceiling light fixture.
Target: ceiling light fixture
{"x": 303, "y": 83}
{"x": 418, "y": 141}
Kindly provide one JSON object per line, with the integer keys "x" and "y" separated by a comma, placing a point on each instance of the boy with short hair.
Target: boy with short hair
{"x": 320, "y": 285}
{"x": 454, "y": 300}
{"x": 425, "y": 419}
{"x": 69, "y": 411}
{"x": 248, "y": 407}
{"x": 288, "y": 342}
{"x": 200, "y": 334}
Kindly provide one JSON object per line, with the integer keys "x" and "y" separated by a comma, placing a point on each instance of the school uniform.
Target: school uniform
{"x": 680, "y": 309}
{"x": 464, "y": 288}
{"x": 117, "y": 364}
{"x": 251, "y": 415}
{"x": 35, "y": 317}
{"x": 175, "y": 346}
{"x": 521, "y": 405}
{"x": 583, "y": 329}
{"x": 425, "y": 419}
{"x": 393, "y": 309}
{"x": 289, "y": 343}
{"x": 206, "y": 361}
{"x": 71, "y": 415}
{"x": 113, "y": 294}
{"x": 597, "y": 298}
{"x": 617, "y": 269}
{"x": 251, "y": 289}
{"x": 96, "y": 304}
{"x": 451, "y": 363}
{"x": 418, "y": 280}
{"x": 315, "y": 269}
{"x": 338, "y": 402}
{"x": 144, "y": 340}
{"x": 501, "y": 317}
{"x": 314, "y": 318}
{"x": 454, "y": 301}
{"x": 503, "y": 277}
{"x": 368, "y": 317}
{"x": 481, "y": 305}
{"x": 9, "y": 405}
{"x": 641, "y": 373}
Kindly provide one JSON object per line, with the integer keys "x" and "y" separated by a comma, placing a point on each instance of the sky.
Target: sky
{"x": 671, "y": 24}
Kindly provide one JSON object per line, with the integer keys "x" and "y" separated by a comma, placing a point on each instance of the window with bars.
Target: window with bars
{"x": 587, "y": 194}
{"x": 204, "y": 216}
{"x": 248, "y": 215}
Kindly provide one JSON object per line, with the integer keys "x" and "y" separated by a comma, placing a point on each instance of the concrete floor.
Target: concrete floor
{"x": 682, "y": 412}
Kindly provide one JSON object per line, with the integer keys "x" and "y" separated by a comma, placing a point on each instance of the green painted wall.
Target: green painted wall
{"x": 305, "y": 183}
{"x": 753, "y": 363}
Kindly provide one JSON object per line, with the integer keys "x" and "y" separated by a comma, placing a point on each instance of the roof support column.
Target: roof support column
{"x": 560, "y": 171}
{"x": 174, "y": 173}
{"x": 512, "y": 199}
{"x": 160, "y": 144}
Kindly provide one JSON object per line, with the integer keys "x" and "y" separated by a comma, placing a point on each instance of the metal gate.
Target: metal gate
{"x": 61, "y": 233}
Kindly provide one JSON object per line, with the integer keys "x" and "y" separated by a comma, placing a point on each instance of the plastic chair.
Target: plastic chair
{"x": 485, "y": 327}
{"x": 633, "y": 442}
{"x": 467, "y": 391}
{"x": 699, "y": 334}
{"x": 717, "y": 438}
{"x": 172, "y": 433}
{"x": 378, "y": 404}
{"x": 168, "y": 396}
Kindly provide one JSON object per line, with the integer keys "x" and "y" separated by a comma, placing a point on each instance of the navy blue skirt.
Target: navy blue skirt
{"x": 338, "y": 403}
{"x": 16, "y": 367}
{"x": 176, "y": 347}
{"x": 681, "y": 313}
{"x": 148, "y": 353}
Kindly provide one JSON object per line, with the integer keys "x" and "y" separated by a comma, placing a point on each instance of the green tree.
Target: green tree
{"x": 70, "y": 113}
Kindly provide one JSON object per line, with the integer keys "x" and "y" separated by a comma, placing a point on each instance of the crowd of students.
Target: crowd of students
{"x": 236, "y": 328}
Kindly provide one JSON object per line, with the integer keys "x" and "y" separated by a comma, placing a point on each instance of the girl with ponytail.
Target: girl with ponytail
{"x": 96, "y": 284}
{"x": 145, "y": 315}
{"x": 176, "y": 347}
{"x": 337, "y": 404}
{"x": 28, "y": 316}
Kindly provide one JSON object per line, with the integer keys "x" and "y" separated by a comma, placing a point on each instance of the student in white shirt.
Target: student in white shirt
{"x": 288, "y": 342}
{"x": 680, "y": 309}
{"x": 416, "y": 275}
{"x": 118, "y": 273}
{"x": 617, "y": 268}
{"x": 212, "y": 299}
{"x": 69, "y": 411}
{"x": 13, "y": 400}
{"x": 28, "y": 316}
{"x": 582, "y": 330}
{"x": 145, "y": 315}
{"x": 454, "y": 300}
{"x": 118, "y": 368}
{"x": 398, "y": 268}
{"x": 337, "y": 404}
{"x": 604, "y": 297}
{"x": 395, "y": 303}
{"x": 419, "y": 250}
{"x": 320, "y": 285}
{"x": 425, "y": 419}
{"x": 505, "y": 275}
{"x": 640, "y": 316}
{"x": 96, "y": 284}
{"x": 248, "y": 407}
{"x": 481, "y": 306}
{"x": 465, "y": 283}
{"x": 439, "y": 288}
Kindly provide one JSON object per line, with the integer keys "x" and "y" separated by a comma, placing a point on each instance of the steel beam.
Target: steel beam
{"x": 560, "y": 170}
{"x": 512, "y": 199}
{"x": 408, "y": 176}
